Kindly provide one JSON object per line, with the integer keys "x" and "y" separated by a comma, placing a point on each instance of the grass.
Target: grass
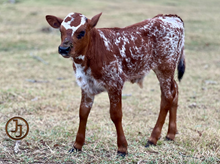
{"x": 37, "y": 84}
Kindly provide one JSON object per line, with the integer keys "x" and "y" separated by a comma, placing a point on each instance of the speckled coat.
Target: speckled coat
{"x": 104, "y": 58}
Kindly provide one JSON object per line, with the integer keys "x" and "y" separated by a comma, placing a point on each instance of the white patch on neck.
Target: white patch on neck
{"x": 106, "y": 41}
{"x": 80, "y": 57}
{"x": 67, "y": 26}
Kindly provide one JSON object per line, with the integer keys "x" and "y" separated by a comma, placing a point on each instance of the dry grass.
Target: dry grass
{"x": 46, "y": 95}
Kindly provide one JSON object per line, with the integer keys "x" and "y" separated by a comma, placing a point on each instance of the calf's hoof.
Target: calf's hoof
{"x": 149, "y": 143}
{"x": 168, "y": 139}
{"x": 121, "y": 154}
{"x": 73, "y": 150}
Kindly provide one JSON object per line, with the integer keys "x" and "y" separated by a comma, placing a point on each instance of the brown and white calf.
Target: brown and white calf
{"x": 104, "y": 58}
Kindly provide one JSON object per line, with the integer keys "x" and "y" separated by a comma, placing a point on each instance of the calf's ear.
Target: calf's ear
{"x": 53, "y": 21}
{"x": 95, "y": 20}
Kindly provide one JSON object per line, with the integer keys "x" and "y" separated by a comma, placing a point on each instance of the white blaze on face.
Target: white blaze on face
{"x": 67, "y": 25}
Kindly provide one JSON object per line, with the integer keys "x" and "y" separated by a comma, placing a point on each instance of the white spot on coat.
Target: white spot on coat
{"x": 80, "y": 57}
{"x": 106, "y": 41}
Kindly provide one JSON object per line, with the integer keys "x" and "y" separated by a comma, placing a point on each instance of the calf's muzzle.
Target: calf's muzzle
{"x": 64, "y": 51}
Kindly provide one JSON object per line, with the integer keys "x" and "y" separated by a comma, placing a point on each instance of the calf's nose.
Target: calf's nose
{"x": 64, "y": 51}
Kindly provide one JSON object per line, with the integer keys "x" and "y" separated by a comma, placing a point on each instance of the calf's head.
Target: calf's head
{"x": 75, "y": 31}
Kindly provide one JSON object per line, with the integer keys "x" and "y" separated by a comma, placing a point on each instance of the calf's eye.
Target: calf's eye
{"x": 81, "y": 34}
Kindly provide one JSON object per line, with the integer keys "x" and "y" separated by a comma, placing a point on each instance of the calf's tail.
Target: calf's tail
{"x": 181, "y": 65}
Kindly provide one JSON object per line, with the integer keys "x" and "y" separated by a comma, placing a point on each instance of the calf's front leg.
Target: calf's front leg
{"x": 116, "y": 117}
{"x": 85, "y": 106}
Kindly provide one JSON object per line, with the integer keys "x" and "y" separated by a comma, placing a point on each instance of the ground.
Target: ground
{"x": 36, "y": 83}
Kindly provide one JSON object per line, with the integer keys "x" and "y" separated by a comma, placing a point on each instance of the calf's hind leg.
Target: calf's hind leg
{"x": 172, "y": 129}
{"x": 168, "y": 103}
